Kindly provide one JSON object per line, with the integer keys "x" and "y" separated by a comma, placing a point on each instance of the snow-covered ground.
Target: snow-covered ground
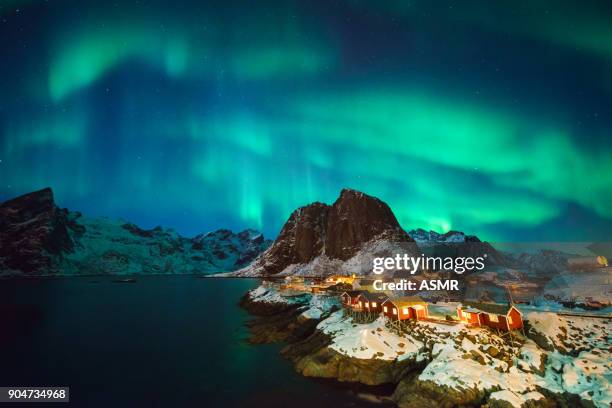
{"x": 443, "y": 309}
{"x": 106, "y": 246}
{"x": 365, "y": 341}
{"x": 269, "y": 294}
{"x": 517, "y": 371}
{"x": 318, "y": 305}
{"x": 594, "y": 284}
{"x": 552, "y": 306}
{"x": 516, "y": 399}
{"x": 312, "y": 306}
{"x": 561, "y": 353}
{"x": 464, "y": 358}
{"x": 322, "y": 265}
{"x": 581, "y": 362}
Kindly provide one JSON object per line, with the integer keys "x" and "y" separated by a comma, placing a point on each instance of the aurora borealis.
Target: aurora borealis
{"x": 493, "y": 119}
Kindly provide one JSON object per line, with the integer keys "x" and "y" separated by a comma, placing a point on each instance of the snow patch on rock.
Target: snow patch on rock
{"x": 270, "y": 295}
{"x": 366, "y": 341}
{"x": 319, "y": 305}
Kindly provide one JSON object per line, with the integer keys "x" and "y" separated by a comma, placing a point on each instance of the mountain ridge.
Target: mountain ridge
{"x": 39, "y": 238}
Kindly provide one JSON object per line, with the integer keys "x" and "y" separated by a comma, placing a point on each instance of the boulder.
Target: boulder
{"x": 414, "y": 393}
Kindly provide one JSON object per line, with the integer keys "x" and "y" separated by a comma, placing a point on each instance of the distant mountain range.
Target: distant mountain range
{"x": 39, "y": 238}
{"x": 320, "y": 239}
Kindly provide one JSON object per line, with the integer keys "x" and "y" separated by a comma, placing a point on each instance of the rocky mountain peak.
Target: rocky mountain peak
{"x": 356, "y": 218}
{"x": 422, "y": 236}
{"x": 32, "y": 229}
{"x": 251, "y": 235}
{"x": 301, "y": 238}
{"x": 29, "y": 205}
{"x": 336, "y": 231}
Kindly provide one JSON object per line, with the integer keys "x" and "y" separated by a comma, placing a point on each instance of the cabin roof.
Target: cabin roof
{"x": 374, "y": 297}
{"x": 494, "y": 308}
{"x": 354, "y": 293}
{"x": 407, "y": 301}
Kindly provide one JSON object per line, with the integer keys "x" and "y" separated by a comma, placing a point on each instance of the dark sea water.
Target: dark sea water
{"x": 164, "y": 341}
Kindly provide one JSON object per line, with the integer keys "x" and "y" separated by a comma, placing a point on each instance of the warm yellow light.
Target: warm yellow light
{"x": 601, "y": 260}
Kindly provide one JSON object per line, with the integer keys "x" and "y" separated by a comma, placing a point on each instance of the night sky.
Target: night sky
{"x": 494, "y": 119}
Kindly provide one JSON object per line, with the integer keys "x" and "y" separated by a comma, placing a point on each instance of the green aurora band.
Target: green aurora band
{"x": 233, "y": 119}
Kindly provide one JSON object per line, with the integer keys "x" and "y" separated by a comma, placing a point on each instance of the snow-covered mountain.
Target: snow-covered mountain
{"x": 343, "y": 238}
{"x": 38, "y": 238}
{"x": 542, "y": 262}
{"x": 423, "y": 237}
{"x": 456, "y": 244}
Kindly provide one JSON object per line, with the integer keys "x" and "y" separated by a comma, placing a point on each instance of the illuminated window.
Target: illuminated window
{"x": 373, "y": 304}
{"x": 493, "y": 318}
{"x": 367, "y": 304}
{"x": 405, "y": 310}
{"x": 394, "y": 311}
{"x": 360, "y": 304}
{"x": 509, "y": 319}
{"x": 385, "y": 309}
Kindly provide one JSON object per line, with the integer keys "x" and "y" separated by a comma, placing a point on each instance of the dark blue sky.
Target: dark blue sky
{"x": 489, "y": 118}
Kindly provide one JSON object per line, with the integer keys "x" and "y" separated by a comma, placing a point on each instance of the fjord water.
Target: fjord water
{"x": 162, "y": 341}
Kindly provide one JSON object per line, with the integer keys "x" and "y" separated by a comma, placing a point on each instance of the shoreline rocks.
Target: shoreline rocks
{"x": 276, "y": 322}
{"x": 313, "y": 358}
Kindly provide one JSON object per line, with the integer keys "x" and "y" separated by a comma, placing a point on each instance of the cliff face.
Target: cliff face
{"x": 32, "y": 232}
{"x": 39, "y": 238}
{"x": 330, "y": 234}
{"x": 301, "y": 239}
{"x": 356, "y": 218}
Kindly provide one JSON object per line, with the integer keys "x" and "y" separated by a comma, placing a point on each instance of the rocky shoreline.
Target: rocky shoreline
{"x": 308, "y": 348}
{"x": 311, "y": 346}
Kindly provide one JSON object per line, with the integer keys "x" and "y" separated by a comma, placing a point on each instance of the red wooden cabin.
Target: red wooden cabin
{"x": 351, "y": 298}
{"x": 371, "y": 302}
{"x": 503, "y": 317}
{"x": 408, "y": 307}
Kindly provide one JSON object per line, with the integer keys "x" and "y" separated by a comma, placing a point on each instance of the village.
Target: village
{"x": 456, "y": 346}
{"x": 361, "y": 299}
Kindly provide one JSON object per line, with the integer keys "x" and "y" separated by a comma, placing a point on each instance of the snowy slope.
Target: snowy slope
{"x": 38, "y": 238}
{"x": 108, "y": 246}
{"x": 465, "y": 359}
